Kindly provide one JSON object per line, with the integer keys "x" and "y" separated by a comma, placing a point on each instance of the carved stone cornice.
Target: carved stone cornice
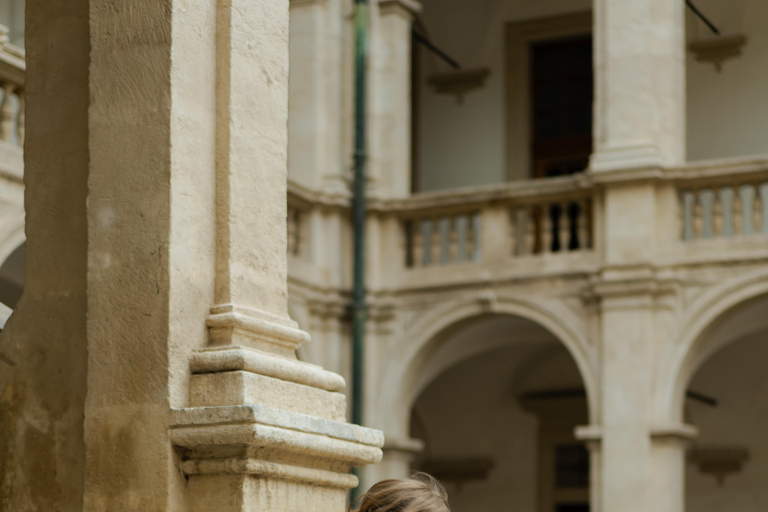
{"x": 259, "y": 440}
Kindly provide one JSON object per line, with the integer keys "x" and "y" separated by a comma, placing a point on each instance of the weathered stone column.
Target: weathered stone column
{"x": 43, "y": 347}
{"x": 316, "y": 156}
{"x": 390, "y": 98}
{"x": 153, "y": 359}
{"x": 640, "y": 84}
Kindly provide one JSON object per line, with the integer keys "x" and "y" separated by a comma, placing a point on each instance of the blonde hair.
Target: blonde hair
{"x": 420, "y": 493}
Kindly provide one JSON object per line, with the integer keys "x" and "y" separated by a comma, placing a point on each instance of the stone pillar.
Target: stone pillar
{"x": 640, "y": 84}
{"x": 390, "y": 99}
{"x": 641, "y": 461}
{"x": 43, "y": 347}
{"x": 316, "y": 156}
{"x": 156, "y": 360}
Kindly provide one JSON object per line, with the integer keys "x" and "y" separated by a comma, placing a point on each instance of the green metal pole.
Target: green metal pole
{"x": 359, "y": 210}
{"x": 359, "y": 312}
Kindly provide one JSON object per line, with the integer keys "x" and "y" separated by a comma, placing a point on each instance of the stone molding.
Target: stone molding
{"x": 408, "y": 446}
{"x": 236, "y": 325}
{"x": 674, "y": 432}
{"x": 630, "y": 157}
{"x": 236, "y": 358}
{"x": 259, "y": 440}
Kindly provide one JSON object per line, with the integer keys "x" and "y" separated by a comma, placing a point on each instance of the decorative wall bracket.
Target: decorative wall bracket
{"x": 459, "y": 83}
{"x": 717, "y": 51}
{"x": 719, "y": 462}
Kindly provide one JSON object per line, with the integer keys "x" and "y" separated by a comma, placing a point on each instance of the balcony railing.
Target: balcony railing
{"x": 729, "y": 200}
{"x": 513, "y": 220}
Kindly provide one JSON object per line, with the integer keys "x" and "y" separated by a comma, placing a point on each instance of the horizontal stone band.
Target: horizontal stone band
{"x": 247, "y": 466}
{"x": 229, "y": 359}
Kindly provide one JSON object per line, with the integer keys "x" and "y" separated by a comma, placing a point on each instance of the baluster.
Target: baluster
{"x": 426, "y": 226}
{"x": 546, "y": 229}
{"x": 717, "y": 213}
{"x": 564, "y": 227}
{"x": 764, "y": 201}
{"x": 697, "y": 214}
{"x": 417, "y": 243}
{"x": 583, "y": 230}
{"x": 462, "y": 226}
{"x": 757, "y": 209}
{"x": 726, "y": 198}
{"x": 435, "y": 241}
{"x": 738, "y": 211}
{"x": 21, "y": 118}
{"x": 707, "y": 200}
{"x": 747, "y": 194}
{"x": 6, "y": 112}
{"x": 453, "y": 240}
{"x": 444, "y": 240}
{"x": 477, "y": 226}
{"x": 528, "y": 218}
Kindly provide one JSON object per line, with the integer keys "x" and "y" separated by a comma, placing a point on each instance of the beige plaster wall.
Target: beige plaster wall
{"x": 464, "y": 144}
{"x": 736, "y": 378}
{"x": 727, "y": 109}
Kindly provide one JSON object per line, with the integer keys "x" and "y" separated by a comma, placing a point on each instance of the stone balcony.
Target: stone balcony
{"x": 708, "y": 213}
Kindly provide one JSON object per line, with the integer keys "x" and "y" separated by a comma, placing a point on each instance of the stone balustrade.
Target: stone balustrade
{"x": 724, "y": 201}
{"x": 538, "y": 218}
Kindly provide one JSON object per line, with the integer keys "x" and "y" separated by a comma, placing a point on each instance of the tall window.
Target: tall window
{"x": 562, "y": 95}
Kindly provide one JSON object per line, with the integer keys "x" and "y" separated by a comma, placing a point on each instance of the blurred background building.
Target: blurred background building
{"x": 567, "y": 242}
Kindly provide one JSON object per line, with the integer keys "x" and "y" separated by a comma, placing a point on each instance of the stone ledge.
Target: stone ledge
{"x": 247, "y": 466}
{"x": 200, "y": 418}
{"x": 236, "y": 358}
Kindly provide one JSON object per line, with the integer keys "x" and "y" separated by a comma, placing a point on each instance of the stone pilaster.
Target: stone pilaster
{"x": 153, "y": 346}
{"x": 640, "y": 84}
{"x": 390, "y": 98}
{"x": 634, "y": 305}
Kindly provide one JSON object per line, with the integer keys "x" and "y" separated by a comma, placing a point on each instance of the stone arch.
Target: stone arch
{"x": 398, "y": 384}
{"x": 698, "y": 338}
{"x": 12, "y": 234}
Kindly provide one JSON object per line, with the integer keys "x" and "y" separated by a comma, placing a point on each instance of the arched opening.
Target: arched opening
{"x": 496, "y": 404}
{"x": 12, "y": 277}
{"x": 728, "y": 403}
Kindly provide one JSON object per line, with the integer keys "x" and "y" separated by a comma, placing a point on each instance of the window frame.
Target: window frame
{"x": 518, "y": 38}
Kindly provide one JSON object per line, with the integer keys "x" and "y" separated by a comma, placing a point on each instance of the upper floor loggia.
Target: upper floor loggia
{"x": 498, "y": 128}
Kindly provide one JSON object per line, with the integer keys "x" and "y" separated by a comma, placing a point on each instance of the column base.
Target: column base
{"x": 626, "y": 158}
{"x": 229, "y": 324}
{"x": 252, "y": 458}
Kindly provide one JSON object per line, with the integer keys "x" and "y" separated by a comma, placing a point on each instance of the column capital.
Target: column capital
{"x": 406, "y": 8}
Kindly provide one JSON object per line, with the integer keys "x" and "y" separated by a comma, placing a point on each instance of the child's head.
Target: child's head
{"x": 420, "y": 493}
